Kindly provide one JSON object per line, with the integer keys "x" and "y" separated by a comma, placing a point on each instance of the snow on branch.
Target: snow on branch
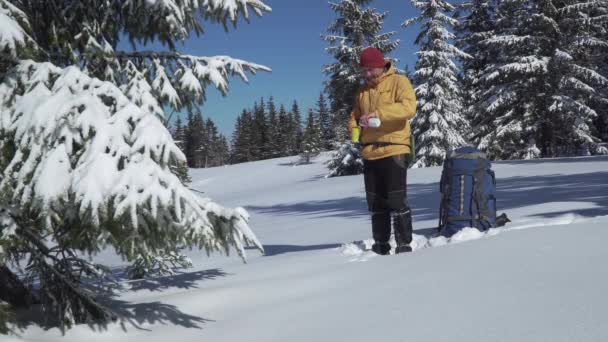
{"x": 578, "y": 7}
{"x": 8, "y": 227}
{"x": 507, "y": 40}
{"x": 82, "y": 143}
{"x": 589, "y": 74}
{"x": 14, "y": 26}
{"x": 232, "y": 8}
{"x": 192, "y": 75}
{"x": 177, "y": 18}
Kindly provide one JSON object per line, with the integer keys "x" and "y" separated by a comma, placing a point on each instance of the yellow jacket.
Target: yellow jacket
{"x": 394, "y": 100}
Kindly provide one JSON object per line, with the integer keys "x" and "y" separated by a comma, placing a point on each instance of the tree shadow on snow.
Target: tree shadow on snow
{"x": 520, "y": 192}
{"x": 271, "y": 250}
{"x": 292, "y": 163}
{"x": 313, "y": 179}
{"x": 298, "y": 163}
{"x": 128, "y": 314}
{"x": 184, "y": 280}
{"x": 132, "y": 314}
{"x": 553, "y": 160}
{"x": 138, "y": 314}
{"x": 514, "y": 192}
{"x": 343, "y": 207}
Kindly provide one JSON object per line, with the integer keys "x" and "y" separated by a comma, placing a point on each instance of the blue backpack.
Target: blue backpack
{"x": 468, "y": 192}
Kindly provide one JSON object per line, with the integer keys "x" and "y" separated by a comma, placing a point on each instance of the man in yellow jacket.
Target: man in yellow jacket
{"x": 388, "y": 99}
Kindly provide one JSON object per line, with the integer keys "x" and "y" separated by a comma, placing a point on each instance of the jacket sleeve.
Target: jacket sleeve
{"x": 355, "y": 114}
{"x": 404, "y": 107}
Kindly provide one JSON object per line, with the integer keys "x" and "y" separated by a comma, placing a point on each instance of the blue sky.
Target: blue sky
{"x": 288, "y": 41}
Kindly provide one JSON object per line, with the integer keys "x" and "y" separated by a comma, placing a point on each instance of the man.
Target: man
{"x": 390, "y": 98}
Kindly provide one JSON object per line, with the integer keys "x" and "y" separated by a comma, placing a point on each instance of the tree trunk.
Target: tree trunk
{"x": 12, "y": 289}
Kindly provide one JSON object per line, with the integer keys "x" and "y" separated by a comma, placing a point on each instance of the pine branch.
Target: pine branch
{"x": 63, "y": 276}
{"x": 192, "y": 58}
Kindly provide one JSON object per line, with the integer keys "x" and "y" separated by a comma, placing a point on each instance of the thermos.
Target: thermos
{"x": 354, "y": 134}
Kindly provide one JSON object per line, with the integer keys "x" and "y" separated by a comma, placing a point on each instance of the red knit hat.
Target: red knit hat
{"x": 371, "y": 58}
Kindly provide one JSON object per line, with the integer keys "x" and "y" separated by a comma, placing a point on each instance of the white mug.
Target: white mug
{"x": 373, "y": 122}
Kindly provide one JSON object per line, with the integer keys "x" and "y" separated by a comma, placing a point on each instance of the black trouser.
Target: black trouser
{"x": 386, "y": 192}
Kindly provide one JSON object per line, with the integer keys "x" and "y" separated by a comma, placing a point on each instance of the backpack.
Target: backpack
{"x": 468, "y": 192}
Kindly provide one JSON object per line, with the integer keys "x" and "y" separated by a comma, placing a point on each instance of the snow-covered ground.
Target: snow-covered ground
{"x": 543, "y": 278}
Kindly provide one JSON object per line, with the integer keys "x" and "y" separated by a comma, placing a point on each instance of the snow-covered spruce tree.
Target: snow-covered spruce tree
{"x": 601, "y": 101}
{"x": 325, "y": 123}
{"x": 576, "y": 79}
{"x": 284, "y": 134}
{"x": 346, "y": 161}
{"x": 311, "y": 141}
{"x": 536, "y": 97}
{"x": 179, "y": 137}
{"x": 505, "y": 92}
{"x": 259, "y": 132}
{"x": 86, "y": 161}
{"x": 440, "y": 123}
{"x": 272, "y": 148}
{"x": 476, "y": 24}
{"x": 354, "y": 29}
{"x": 242, "y": 139}
{"x": 295, "y": 129}
{"x": 218, "y": 150}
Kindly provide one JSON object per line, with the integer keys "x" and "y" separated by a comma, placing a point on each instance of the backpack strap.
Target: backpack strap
{"x": 445, "y": 189}
{"x": 478, "y": 195}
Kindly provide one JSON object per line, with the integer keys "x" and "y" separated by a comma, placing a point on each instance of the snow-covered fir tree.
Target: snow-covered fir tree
{"x": 601, "y": 101}
{"x": 194, "y": 141}
{"x": 260, "y": 131}
{"x": 440, "y": 124}
{"x": 179, "y": 135}
{"x": 355, "y": 28}
{"x": 272, "y": 145}
{"x": 476, "y": 25}
{"x": 536, "y": 97}
{"x": 311, "y": 141}
{"x": 295, "y": 128}
{"x": 242, "y": 139}
{"x": 325, "y": 123}
{"x": 213, "y": 150}
{"x": 86, "y": 159}
{"x": 577, "y": 81}
{"x": 285, "y": 133}
{"x": 346, "y": 161}
{"x": 505, "y": 93}
{"x": 282, "y": 132}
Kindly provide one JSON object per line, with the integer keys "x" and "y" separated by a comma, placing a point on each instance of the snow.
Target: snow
{"x": 12, "y": 34}
{"x": 541, "y": 278}
{"x": 7, "y": 227}
{"x": 190, "y": 84}
{"x": 52, "y": 177}
{"x": 162, "y": 86}
{"x": 139, "y": 92}
{"x": 81, "y": 143}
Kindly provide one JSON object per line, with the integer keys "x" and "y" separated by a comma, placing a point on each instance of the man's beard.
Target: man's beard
{"x": 373, "y": 81}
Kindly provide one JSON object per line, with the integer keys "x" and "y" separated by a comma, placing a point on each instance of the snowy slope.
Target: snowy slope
{"x": 541, "y": 279}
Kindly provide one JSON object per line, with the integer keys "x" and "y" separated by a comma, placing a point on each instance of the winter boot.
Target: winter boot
{"x": 381, "y": 231}
{"x": 402, "y": 224}
{"x": 382, "y": 248}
